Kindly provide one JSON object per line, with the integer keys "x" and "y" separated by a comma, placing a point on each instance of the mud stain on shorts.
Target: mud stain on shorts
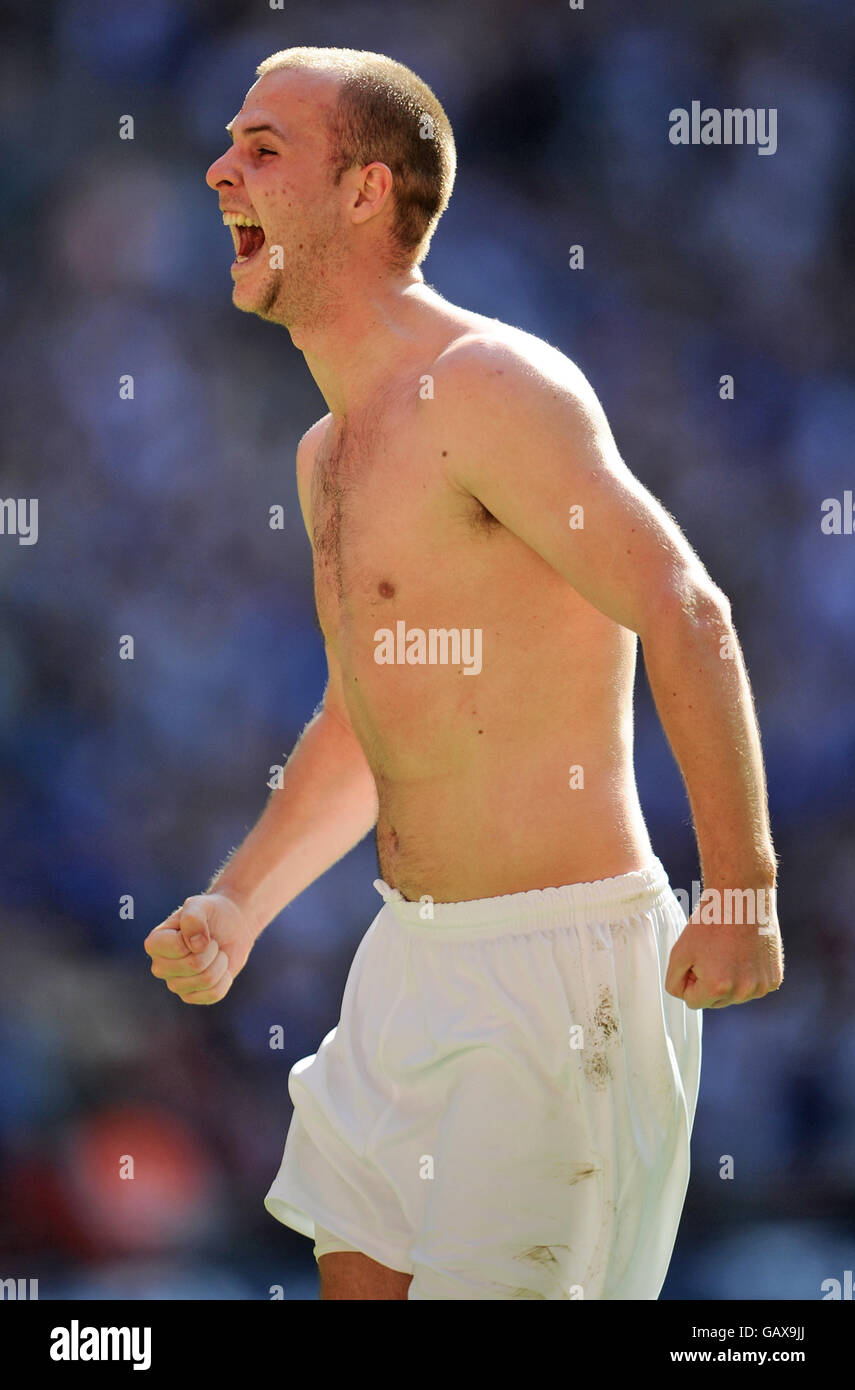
{"x": 545, "y": 1258}
{"x": 540, "y": 1255}
{"x": 603, "y": 1028}
{"x": 570, "y": 1173}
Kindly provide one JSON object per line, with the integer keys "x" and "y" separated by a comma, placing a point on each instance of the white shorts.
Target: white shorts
{"x": 504, "y": 1110}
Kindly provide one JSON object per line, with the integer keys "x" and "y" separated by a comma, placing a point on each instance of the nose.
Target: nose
{"x": 221, "y": 173}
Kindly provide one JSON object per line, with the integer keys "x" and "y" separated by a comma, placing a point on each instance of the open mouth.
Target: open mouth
{"x": 247, "y": 235}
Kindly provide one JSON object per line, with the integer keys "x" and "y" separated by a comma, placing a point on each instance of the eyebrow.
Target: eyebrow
{"x": 253, "y": 130}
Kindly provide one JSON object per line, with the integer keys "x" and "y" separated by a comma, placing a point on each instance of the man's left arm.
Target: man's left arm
{"x": 532, "y": 443}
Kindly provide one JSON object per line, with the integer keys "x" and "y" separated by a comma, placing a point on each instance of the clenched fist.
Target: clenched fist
{"x": 200, "y": 948}
{"x": 715, "y": 963}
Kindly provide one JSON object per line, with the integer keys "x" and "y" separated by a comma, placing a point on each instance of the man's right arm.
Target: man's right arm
{"x": 325, "y": 804}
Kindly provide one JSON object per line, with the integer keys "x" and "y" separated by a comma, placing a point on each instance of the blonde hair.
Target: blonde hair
{"x": 385, "y": 112}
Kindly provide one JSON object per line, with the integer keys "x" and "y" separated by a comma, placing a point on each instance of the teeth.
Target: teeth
{"x": 237, "y": 219}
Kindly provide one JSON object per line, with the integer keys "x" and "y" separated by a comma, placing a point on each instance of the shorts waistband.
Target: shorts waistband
{"x": 574, "y": 904}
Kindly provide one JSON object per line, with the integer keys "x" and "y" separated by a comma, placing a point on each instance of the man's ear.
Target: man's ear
{"x": 373, "y": 190}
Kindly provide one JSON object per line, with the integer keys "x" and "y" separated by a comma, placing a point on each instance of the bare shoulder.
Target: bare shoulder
{"x": 493, "y": 349}
{"x": 501, "y": 382}
{"x": 307, "y": 452}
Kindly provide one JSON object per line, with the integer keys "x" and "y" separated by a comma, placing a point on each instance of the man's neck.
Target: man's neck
{"x": 363, "y": 337}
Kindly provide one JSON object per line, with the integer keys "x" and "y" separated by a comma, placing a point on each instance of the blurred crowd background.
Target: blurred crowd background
{"x": 138, "y": 777}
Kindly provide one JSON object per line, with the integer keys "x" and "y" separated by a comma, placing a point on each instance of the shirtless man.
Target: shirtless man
{"x": 504, "y": 1109}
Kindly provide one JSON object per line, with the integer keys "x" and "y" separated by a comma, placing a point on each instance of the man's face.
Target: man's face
{"x": 277, "y": 175}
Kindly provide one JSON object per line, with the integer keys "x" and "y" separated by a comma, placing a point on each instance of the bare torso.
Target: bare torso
{"x": 515, "y": 776}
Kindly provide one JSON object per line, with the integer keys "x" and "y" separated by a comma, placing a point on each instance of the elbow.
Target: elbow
{"x": 710, "y": 606}
{"x": 699, "y": 607}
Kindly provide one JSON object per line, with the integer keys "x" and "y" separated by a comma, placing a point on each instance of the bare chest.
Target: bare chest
{"x": 371, "y": 491}
{"x": 354, "y": 481}
{"x": 380, "y": 506}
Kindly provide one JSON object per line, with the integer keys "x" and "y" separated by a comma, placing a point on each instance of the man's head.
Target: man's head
{"x": 345, "y": 161}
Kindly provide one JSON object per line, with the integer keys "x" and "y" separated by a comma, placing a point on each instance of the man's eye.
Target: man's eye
{"x": 265, "y": 151}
